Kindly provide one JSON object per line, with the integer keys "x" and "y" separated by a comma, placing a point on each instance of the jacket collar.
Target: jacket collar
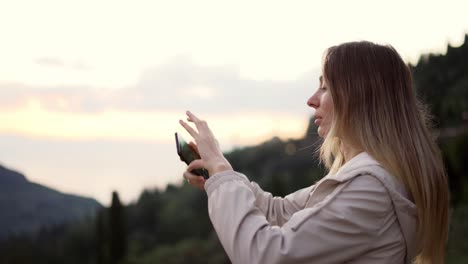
{"x": 353, "y": 167}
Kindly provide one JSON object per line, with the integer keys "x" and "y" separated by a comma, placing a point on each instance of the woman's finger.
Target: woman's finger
{"x": 197, "y": 121}
{"x": 200, "y": 182}
{"x": 194, "y": 147}
{"x": 192, "y": 179}
{"x": 189, "y": 129}
{"x": 196, "y": 164}
{"x": 200, "y": 124}
{"x": 192, "y": 117}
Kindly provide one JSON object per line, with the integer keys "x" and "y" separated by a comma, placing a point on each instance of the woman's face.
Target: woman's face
{"x": 322, "y": 102}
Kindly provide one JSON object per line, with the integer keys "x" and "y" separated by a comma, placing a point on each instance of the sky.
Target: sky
{"x": 91, "y": 91}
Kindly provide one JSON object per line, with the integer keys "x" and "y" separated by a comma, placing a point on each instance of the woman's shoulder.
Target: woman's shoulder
{"x": 365, "y": 164}
{"x": 364, "y": 176}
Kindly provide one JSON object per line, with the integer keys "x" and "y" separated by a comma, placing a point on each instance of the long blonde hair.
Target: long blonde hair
{"x": 376, "y": 110}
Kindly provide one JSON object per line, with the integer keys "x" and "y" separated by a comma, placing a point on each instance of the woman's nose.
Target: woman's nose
{"x": 313, "y": 101}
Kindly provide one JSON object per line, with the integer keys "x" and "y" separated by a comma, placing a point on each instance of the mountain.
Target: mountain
{"x": 26, "y": 207}
{"x": 442, "y": 82}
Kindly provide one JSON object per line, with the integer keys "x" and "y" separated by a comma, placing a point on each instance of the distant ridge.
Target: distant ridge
{"x": 26, "y": 207}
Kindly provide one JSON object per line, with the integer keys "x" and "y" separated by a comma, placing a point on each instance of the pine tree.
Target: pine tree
{"x": 101, "y": 243}
{"x": 118, "y": 234}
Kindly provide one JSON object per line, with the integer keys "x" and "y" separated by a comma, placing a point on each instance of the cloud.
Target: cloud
{"x": 67, "y": 98}
{"x": 56, "y": 62}
{"x": 176, "y": 85}
{"x": 50, "y": 61}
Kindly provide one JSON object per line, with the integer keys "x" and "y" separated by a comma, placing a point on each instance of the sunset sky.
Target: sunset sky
{"x": 91, "y": 91}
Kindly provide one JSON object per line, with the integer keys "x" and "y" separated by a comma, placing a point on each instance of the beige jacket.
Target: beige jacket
{"x": 361, "y": 214}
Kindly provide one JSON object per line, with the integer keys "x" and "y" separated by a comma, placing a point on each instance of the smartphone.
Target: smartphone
{"x": 187, "y": 154}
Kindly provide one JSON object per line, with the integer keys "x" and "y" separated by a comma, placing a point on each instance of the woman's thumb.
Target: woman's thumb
{"x": 196, "y": 164}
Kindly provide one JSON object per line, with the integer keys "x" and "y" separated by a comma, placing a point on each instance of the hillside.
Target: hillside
{"x": 441, "y": 81}
{"x": 27, "y": 206}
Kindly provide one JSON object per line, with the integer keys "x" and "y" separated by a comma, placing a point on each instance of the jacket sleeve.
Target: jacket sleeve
{"x": 278, "y": 210}
{"x": 339, "y": 228}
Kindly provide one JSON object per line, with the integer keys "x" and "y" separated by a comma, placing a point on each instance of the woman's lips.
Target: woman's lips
{"x": 317, "y": 121}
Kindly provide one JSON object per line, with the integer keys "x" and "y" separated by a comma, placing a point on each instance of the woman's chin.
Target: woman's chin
{"x": 321, "y": 132}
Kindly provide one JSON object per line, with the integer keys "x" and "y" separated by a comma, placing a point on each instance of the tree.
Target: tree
{"x": 101, "y": 241}
{"x": 118, "y": 234}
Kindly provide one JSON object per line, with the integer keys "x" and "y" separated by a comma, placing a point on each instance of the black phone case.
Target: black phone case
{"x": 200, "y": 172}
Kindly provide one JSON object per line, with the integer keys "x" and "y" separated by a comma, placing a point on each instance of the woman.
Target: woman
{"x": 385, "y": 198}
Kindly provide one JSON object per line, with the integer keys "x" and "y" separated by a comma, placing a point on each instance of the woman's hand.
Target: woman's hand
{"x": 207, "y": 146}
{"x": 197, "y": 181}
